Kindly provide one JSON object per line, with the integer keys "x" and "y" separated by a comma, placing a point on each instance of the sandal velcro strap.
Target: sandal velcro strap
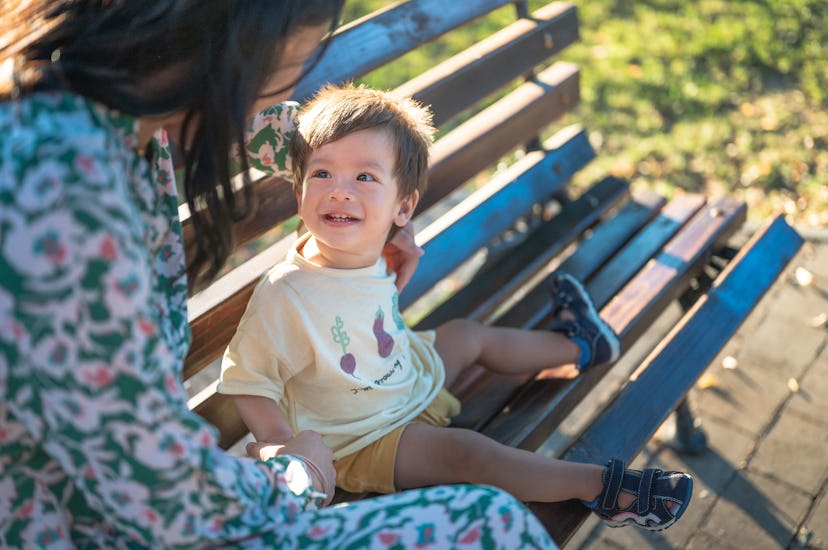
{"x": 613, "y": 475}
{"x": 645, "y": 490}
{"x": 652, "y": 489}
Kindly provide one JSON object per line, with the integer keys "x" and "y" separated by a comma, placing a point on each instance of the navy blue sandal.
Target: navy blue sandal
{"x": 598, "y": 342}
{"x": 653, "y": 488}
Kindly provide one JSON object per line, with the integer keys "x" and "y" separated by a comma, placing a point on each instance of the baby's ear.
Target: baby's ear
{"x": 406, "y": 209}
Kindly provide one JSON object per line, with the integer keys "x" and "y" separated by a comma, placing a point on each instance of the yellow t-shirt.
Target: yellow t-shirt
{"x": 329, "y": 346}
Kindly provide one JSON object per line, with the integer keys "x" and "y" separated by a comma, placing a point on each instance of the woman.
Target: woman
{"x": 97, "y": 446}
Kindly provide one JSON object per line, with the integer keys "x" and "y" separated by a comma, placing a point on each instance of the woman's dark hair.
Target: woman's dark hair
{"x": 207, "y": 58}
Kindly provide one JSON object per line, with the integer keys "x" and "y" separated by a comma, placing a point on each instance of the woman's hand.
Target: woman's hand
{"x": 402, "y": 255}
{"x": 307, "y": 445}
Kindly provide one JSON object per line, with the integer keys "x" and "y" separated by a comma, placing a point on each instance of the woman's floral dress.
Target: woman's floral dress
{"x": 97, "y": 446}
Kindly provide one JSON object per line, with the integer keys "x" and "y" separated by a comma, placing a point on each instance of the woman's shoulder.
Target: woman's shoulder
{"x": 66, "y": 143}
{"x": 63, "y": 118}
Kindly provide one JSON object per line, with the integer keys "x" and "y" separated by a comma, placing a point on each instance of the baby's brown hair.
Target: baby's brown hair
{"x": 337, "y": 111}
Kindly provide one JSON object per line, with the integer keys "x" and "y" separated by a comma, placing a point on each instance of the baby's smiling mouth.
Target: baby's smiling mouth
{"x": 339, "y": 218}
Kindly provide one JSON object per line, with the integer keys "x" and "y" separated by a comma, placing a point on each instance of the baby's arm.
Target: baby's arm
{"x": 264, "y": 418}
{"x": 272, "y": 430}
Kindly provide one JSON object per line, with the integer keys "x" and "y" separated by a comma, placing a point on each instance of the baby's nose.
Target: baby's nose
{"x": 341, "y": 190}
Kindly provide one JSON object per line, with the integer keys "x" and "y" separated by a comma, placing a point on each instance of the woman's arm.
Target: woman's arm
{"x": 268, "y": 136}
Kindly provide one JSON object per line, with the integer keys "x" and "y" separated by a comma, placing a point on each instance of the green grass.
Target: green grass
{"x": 711, "y": 96}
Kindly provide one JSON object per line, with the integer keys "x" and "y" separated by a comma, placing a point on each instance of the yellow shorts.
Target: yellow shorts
{"x": 371, "y": 469}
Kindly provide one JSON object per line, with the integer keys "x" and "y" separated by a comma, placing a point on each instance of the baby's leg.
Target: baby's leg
{"x": 462, "y": 343}
{"x": 430, "y": 455}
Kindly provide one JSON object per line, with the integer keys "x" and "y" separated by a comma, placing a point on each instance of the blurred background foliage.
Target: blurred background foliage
{"x": 714, "y": 96}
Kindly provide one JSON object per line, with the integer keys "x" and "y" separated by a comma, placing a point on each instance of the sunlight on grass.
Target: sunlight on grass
{"x": 713, "y": 97}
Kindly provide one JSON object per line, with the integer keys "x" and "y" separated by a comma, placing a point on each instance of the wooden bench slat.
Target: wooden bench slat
{"x": 373, "y": 41}
{"x": 604, "y": 241}
{"x": 675, "y": 366}
{"x": 694, "y": 342}
{"x": 598, "y": 251}
{"x": 633, "y": 308}
{"x": 502, "y": 279}
{"x": 491, "y": 210}
{"x": 549, "y": 401}
{"x": 647, "y": 243}
{"x": 463, "y": 80}
{"x": 502, "y": 127}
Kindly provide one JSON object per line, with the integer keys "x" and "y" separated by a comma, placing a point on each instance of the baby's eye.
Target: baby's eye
{"x": 321, "y": 174}
{"x": 366, "y": 177}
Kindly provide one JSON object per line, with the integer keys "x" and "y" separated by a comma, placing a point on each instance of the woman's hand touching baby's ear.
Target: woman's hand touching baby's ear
{"x": 403, "y": 255}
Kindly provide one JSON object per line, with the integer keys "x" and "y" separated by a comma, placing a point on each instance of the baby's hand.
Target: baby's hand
{"x": 307, "y": 445}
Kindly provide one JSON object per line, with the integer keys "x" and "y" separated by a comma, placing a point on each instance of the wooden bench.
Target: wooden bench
{"x": 491, "y": 251}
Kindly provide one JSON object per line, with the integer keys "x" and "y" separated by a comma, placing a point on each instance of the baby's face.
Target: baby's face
{"x": 350, "y": 198}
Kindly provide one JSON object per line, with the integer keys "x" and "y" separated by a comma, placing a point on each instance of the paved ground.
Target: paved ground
{"x": 763, "y": 480}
